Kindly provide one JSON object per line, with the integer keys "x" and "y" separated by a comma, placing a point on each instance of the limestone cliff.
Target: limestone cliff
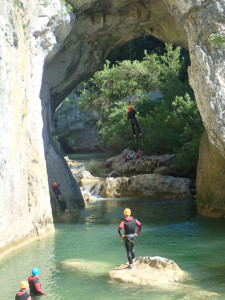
{"x": 210, "y": 180}
{"x": 75, "y": 130}
{"x": 45, "y": 53}
{"x": 30, "y": 33}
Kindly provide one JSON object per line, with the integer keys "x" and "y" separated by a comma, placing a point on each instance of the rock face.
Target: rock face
{"x": 158, "y": 164}
{"x": 45, "y": 54}
{"x": 147, "y": 185}
{"x": 151, "y": 271}
{"x": 26, "y": 40}
{"x": 143, "y": 185}
{"x": 76, "y": 131}
{"x": 210, "y": 180}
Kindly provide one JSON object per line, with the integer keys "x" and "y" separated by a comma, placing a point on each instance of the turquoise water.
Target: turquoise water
{"x": 171, "y": 229}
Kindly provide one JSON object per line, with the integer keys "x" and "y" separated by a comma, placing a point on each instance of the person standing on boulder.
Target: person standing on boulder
{"x": 129, "y": 224}
{"x": 133, "y": 121}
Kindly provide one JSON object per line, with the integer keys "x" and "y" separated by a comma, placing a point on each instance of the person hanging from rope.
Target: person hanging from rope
{"x": 129, "y": 224}
{"x": 133, "y": 121}
{"x": 59, "y": 197}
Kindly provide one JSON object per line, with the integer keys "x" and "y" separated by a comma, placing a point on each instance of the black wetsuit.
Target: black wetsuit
{"x": 59, "y": 196}
{"x": 129, "y": 224}
{"x": 35, "y": 286}
{"x": 22, "y": 295}
{"x": 133, "y": 121}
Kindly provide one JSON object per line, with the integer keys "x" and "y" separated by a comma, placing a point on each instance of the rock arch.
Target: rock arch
{"x": 100, "y": 26}
{"x": 45, "y": 53}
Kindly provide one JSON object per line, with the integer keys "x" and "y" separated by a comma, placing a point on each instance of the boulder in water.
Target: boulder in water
{"x": 151, "y": 271}
{"x": 147, "y": 185}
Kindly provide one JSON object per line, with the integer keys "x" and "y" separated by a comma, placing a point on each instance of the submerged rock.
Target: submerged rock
{"x": 200, "y": 295}
{"x": 153, "y": 271}
{"x": 86, "y": 266}
{"x": 66, "y": 217}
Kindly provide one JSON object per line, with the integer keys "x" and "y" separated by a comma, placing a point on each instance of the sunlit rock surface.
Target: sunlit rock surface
{"x": 30, "y": 33}
{"x": 210, "y": 180}
{"x": 152, "y": 271}
{"x": 147, "y": 185}
{"x": 159, "y": 164}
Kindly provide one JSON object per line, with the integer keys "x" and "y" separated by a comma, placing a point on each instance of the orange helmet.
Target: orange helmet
{"x": 54, "y": 184}
{"x": 24, "y": 285}
{"x": 128, "y": 107}
{"x": 127, "y": 212}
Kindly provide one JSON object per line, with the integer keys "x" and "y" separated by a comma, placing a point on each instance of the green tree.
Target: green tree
{"x": 120, "y": 82}
{"x": 115, "y": 130}
{"x": 170, "y": 125}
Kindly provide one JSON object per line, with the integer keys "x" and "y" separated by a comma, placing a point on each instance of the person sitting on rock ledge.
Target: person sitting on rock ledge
{"x": 139, "y": 153}
{"x": 59, "y": 197}
{"x": 130, "y": 156}
{"x": 129, "y": 224}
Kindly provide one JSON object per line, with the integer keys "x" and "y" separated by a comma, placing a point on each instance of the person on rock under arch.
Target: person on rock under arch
{"x": 133, "y": 121}
{"x": 129, "y": 224}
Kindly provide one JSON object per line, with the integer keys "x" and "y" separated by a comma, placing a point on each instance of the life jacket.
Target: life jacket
{"x": 32, "y": 280}
{"x": 22, "y": 295}
{"x": 131, "y": 114}
{"x": 129, "y": 226}
{"x": 56, "y": 190}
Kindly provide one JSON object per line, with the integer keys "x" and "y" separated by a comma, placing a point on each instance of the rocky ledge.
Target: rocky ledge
{"x": 151, "y": 271}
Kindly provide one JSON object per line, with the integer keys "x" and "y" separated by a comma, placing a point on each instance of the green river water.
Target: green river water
{"x": 170, "y": 229}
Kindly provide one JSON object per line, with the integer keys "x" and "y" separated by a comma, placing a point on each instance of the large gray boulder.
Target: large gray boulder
{"x": 159, "y": 164}
{"x": 142, "y": 185}
{"x": 150, "y": 271}
{"x": 148, "y": 185}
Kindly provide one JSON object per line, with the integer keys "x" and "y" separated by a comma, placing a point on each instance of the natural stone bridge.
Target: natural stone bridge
{"x": 45, "y": 53}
